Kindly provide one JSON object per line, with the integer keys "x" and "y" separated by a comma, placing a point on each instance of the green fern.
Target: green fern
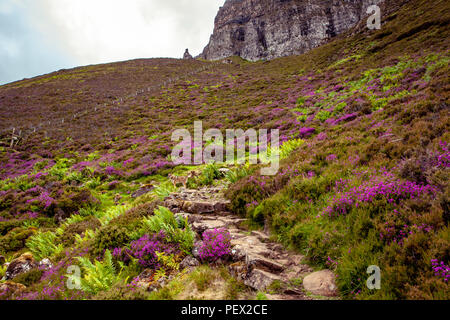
{"x": 209, "y": 174}
{"x": 98, "y": 276}
{"x": 237, "y": 174}
{"x": 111, "y": 213}
{"x": 3, "y": 270}
{"x": 31, "y": 224}
{"x": 42, "y": 245}
{"x": 164, "y": 220}
{"x": 164, "y": 190}
{"x": 289, "y": 146}
{"x": 88, "y": 235}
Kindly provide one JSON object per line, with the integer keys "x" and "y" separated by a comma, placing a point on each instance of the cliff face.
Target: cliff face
{"x": 267, "y": 29}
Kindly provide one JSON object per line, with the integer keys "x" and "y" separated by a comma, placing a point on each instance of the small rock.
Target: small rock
{"x": 238, "y": 253}
{"x": 224, "y": 171}
{"x": 202, "y": 226}
{"x": 196, "y": 248}
{"x": 45, "y": 264}
{"x": 189, "y": 261}
{"x": 11, "y": 287}
{"x": 321, "y": 283}
{"x": 20, "y": 265}
{"x": 238, "y": 270}
{"x": 145, "y": 279}
{"x": 143, "y": 190}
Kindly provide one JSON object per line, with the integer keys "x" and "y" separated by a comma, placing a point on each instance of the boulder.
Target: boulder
{"x": 20, "y": 265}
{"x": 198, "y": 207}
{"x": 260, "y": 279}
{"x": 321, "y": 283}
{"x": 238, "y": 253}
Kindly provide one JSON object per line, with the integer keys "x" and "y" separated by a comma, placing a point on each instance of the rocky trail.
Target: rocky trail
{"x": 256, "y": 260}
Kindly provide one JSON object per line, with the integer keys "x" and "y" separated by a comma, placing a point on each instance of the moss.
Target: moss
{"x": 29, "y": 278}
{"x": 68, "y": 237}
{"x": 116, "y": 233}
{"x": 15, "y": 240}
{"x": 6, "y": 226}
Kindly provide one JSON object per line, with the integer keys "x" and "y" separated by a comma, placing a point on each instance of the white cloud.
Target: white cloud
{"x": 95, "y": 31}
{"x": 41, "y": 36}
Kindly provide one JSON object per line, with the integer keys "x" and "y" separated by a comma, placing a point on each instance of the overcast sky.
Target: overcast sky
{"x": 41, "y": 36}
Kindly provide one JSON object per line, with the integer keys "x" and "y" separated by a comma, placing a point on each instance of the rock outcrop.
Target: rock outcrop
{"x": 20, "y": 265}
{"x": 187, "y": 55}
{"x": 267, "y": 29}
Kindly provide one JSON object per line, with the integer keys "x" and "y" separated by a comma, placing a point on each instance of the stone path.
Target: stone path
{"x": 255, "y": 260}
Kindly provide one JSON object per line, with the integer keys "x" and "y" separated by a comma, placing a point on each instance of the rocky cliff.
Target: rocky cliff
{"x": 267, "y": 29}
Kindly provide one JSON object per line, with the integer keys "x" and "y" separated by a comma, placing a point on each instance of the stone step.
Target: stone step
{"x": 260, "y": 279}
{"x": 197, "y": 207}
{"x": 260, "y": 262}
{"x": 260, "y": 235}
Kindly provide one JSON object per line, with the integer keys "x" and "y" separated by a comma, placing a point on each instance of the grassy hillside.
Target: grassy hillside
{"x": 368, "y": 186}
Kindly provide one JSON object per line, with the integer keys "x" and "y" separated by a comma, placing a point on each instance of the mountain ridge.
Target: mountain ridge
{"x": 269, "y": 29}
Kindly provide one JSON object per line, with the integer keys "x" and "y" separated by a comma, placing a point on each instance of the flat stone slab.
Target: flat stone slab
{"x": 259, "y": 279}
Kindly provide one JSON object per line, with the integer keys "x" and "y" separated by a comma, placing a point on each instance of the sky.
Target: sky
{"x": 42, "y": 36}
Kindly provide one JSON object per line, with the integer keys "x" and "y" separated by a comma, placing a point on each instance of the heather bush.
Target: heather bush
{"x": 15, "y": 240}
{"x": 122, "y": 291}
{"x": 109, "y": 237}
{"x": 71, "y": 201}
{"x": 216, "y": 245}
{"x": 6, "y": 226}
{"x": 147, "y": 250}
{"x": 68, "y": 237}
